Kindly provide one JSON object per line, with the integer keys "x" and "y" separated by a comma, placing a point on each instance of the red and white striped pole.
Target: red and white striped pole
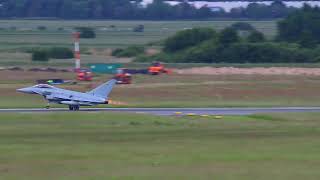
{"x": 76, "y": 37}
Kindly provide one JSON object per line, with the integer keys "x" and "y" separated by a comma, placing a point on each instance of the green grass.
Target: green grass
{"x": 120, "y": 36}
{"x": 179, "y": 90}
{"x": 27, "y": 36}
{"x": 128, "y": 146}
{"x": 143, "y": 102}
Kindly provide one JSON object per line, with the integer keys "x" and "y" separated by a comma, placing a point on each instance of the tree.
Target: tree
{"x": 159, "y": 10}
{"x": 278, "y": 9}
{"x": 64, "y": 10}
{"x": 50, "y": 8}
{"x": 60, "y": 53}
{"x": 127, "y": 9}
{"x": 86, "y": 32}
{"x": 237, "y": 12}
{"x": 228, "y": 36}
{"x": 129, "y": 51}
{"x": 307, "y": 40}
{"x": 187, "y": 38}
{"x": 40, "y": 55}
{"x": 95, "y": 9}
{"x": 204, "y": 12}
{"x": 257, "y": 11}
{"x": 242, "y": 26}
{"x": 184, "y": 11}
{"x": 256, "y": 36}
{"x": 302, "y": 27}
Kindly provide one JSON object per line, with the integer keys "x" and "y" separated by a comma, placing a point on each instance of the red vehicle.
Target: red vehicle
{"x": 157, "y": 68}
{"x": 84, "y": 75}
{"x": 123, "y": 77}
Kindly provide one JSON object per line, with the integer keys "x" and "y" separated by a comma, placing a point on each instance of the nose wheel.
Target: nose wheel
{"x": 74, "y": 108}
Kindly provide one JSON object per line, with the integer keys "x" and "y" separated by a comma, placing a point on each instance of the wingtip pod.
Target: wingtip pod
{"x": 104, "y": 89}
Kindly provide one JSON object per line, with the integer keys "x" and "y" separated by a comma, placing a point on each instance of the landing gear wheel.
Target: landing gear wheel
{"x": 74, "y": 108}
{"x": 48, "y": 106}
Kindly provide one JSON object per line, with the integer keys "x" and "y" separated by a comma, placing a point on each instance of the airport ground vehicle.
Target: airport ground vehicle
{"x": 123, "y": 77}
{"x": 84, "y": 75}
{"x": 157, "y": 68}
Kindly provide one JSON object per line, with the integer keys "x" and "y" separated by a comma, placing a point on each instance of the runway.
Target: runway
{"x": 173, "y": 111}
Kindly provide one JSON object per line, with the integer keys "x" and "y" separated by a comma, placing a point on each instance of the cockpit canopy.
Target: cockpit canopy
{"x": 43, "y": 86}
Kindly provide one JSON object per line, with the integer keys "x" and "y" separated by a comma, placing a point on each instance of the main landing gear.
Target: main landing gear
{"x": 48, "y": 106}
{"x": 74, "y": 107}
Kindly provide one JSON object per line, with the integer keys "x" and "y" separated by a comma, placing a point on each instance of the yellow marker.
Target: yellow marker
{"x": 218, "y": 117}
{"x": 178, "y": 113}
{"x": 204, "y": 115}
{"x": 191, "y": 114}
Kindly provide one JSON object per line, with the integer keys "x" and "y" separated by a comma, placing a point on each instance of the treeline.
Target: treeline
{"x": 44, "y": 54}
{"x": 298, "y": 42}
{"x": 126, "y": 9}
{"x": 239, "y": 0}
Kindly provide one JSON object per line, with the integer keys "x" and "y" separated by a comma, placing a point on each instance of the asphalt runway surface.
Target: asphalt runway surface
{"x": 173, "y": 111}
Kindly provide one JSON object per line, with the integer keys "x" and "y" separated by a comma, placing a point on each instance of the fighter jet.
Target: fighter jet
{"x": 73, "y": 99}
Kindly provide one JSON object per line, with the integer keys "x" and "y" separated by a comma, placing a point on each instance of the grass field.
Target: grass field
{"x": 121, "y": 35}
{"x": 26, "y": 35}
{"x": 178, "y": 90}
{"x": 128, "y": 146}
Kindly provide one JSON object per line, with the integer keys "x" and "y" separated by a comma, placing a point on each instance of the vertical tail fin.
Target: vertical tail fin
{"x": 104, "y": 89}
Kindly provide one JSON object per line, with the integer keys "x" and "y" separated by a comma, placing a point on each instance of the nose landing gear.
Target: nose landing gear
{"x": 74, "y": 107}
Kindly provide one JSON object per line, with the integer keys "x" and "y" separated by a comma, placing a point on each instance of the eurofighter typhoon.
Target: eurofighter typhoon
{"x": 73, "y": 99}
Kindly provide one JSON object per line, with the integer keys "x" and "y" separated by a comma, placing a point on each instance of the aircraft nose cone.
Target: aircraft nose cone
{"x": 24, "y": 90}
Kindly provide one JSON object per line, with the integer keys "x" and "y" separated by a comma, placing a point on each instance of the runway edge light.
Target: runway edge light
{"x": 204, "y": 115}
{"x": 178, "y": 113}
{"x": 191, "y": 114}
